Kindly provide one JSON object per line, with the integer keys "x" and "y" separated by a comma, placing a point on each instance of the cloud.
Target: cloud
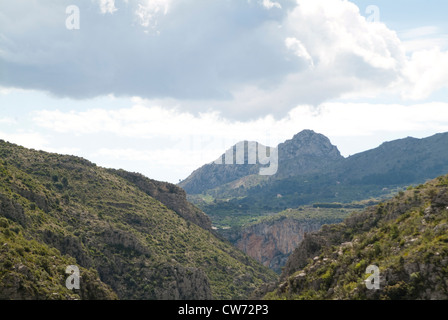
{"x": 234, "y": 57}
{"x": 148, "y": 11}
{"x": 32, "y": 140}
{"x": 107, "y": 6}
{"x": 426, "y": 73}
{"x": 268, "y": 4}
{"x": 299, "y": 49}
{"x": 211, "y": 132}
{"x": 168, "y": 144}
{"x": 7, "y": 120}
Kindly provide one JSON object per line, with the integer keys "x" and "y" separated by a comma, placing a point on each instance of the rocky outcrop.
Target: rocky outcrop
{"x": 271, "y": 243}
{"x": 306, "y": 153}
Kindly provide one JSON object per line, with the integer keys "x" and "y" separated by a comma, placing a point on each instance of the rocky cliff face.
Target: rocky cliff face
{"x": 307, "y": 152}
{"x": 272, "y": 242}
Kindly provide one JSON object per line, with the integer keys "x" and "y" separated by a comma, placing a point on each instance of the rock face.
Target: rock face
{"x": 272, "y": 243}
{"x": 307, "y": 152}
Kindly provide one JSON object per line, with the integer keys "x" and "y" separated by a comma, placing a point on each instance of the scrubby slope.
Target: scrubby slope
{"x": 108, "y": 223}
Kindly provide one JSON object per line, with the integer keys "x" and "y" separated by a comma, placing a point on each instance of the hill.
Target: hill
{"x": 406, "y": 238}
{"x": 132, "y": 237}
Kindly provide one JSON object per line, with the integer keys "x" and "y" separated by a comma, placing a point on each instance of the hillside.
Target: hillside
{"x": 132, "y": 237}
{"x": 405, "y": 237}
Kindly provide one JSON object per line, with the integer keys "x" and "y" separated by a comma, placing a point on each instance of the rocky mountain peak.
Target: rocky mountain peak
{"x": 308, "y": 143}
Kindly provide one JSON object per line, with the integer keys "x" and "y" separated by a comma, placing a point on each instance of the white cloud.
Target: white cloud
{"x": 107, "y": 6}
{"x": 268, "y": 4}
{"x": 426, "y": 72}
{"x": 299, "y": 49}
{"x": 150, "y": 10}
{"x": 333, "y": 29}
{"x": 7, "y": 120}
{"x": 207, "y": 135}
{"x": 33, "y": 140}
{"x": 5, "y": 91}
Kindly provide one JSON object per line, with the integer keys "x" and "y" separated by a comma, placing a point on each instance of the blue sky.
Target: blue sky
{"x": 163, "y": 86}
{"x": 407, "y": 14}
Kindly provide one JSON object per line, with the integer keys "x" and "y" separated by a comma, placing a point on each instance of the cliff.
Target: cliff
{"x": 272, "y": 239}
{"x": 271, "y": 243}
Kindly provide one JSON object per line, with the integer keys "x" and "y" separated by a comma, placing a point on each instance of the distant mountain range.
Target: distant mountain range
{"x": 311, "y": 169}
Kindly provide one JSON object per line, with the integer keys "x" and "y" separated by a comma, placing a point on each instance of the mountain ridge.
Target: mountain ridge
{"x": 306, "y": 151}
{"x": 318, "y": 172}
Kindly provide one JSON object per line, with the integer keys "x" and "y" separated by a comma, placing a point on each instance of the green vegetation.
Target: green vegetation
{"x": 33, "y": 270}
{"x": 287, "y": 193}
{"x": 107, "y": 222}
{"x": 320, "y": 213}
{"x": 309, "y": 214}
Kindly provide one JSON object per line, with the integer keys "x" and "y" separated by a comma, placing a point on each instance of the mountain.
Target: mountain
{"x": 220, "y": 172}
{"x": 130, "y": 236}
{"x": 307, "y": 152}
{"x": 405, "y": 237}
{"x": 398, "y": 162}
{"x": 311, "y": 169}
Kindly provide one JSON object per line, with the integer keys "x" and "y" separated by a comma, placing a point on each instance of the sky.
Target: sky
{"x": 162, "y": 87}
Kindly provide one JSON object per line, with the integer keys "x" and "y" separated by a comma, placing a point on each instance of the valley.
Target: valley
{"x": 311, "y": 172}
{"x": 307, "y": 232}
